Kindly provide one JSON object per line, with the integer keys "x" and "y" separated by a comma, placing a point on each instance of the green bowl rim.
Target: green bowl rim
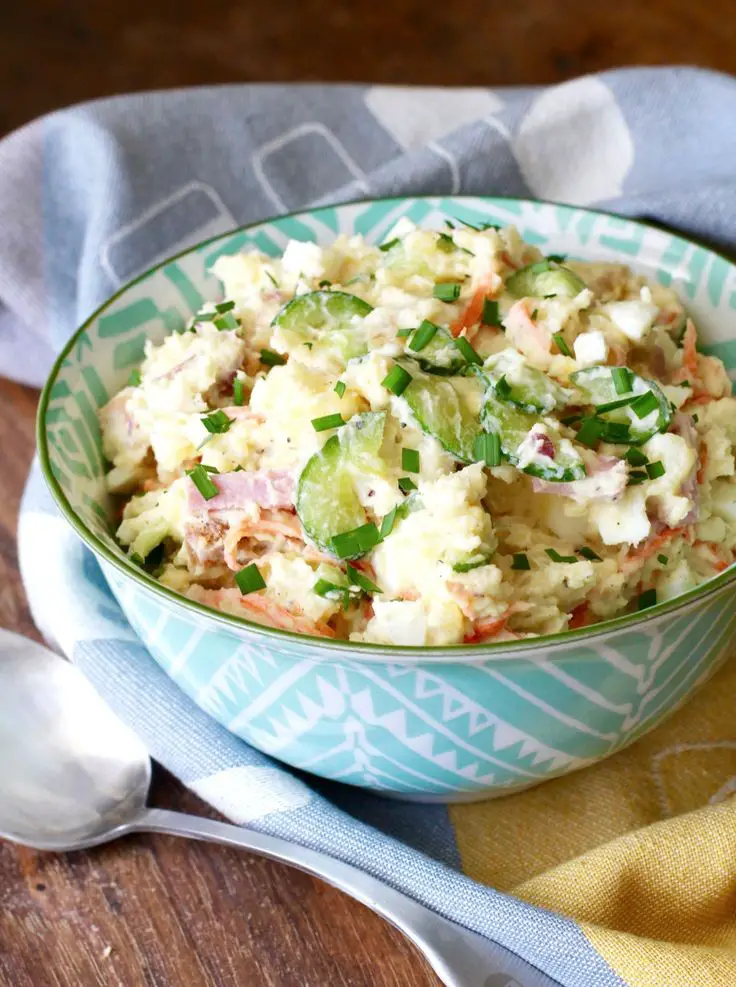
{"x": 452, "y": 654}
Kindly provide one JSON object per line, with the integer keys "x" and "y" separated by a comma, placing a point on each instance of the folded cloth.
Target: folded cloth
{"x": 622, "y": 873}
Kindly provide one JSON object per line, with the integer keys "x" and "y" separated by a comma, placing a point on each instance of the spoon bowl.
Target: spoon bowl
{"x": 70, "y": 772}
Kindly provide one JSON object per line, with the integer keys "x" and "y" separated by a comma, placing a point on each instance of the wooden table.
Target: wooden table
{"x": 160, "y": 912}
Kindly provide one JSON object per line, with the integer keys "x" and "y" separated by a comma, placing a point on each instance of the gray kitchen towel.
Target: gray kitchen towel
{"x": 92, "y": 195}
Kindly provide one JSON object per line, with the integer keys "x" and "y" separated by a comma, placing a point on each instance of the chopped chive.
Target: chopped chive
{"x": 135, "y": 378}
{"x": 447, "y": 291}
{"x": 406, "y": 484}
{"x": 561, "y": 344}
{"x": 655, "y": 470}
{"x": 397, "y": 380}
{"x": 223, "y": 307}
{"x": 589, "y": 554}
{"x": 340, "y": 388}
{"x": 571, "y": 419}
{"x": 357, "y": 578}
{"x": 635, "y": 458}
{"x": 205, "y": 317}
{"x": 590, "y": 431}
{"x": 201, "y": 480}
{"x": 487, "y": 449}
{"x": 326, "y": 422}
{"x": 445, "y": 243}
{"x": 387, "y": 525}
{"x": 271, "y": 359}
{"x": 468, "y": 566}
{"x": 490, "y": 315}
{"x": 217, "y": 423}
{"x": 449, "y": 224}
{"x": 423, "y": 336}
{"x": 137, "y": 559}
{"x": 534, "y": 314}
{"x": 356, "y": 542}
{"x": 503, "y": 388}
{"x": 271, "y": 278}
{"x": 226, "y": 321}
{"x": 556, "y": 557}
{"x": 621, "y": 379}
{"x": 467, "y": 350}
{"x": 612, "y": 405}
{"x": 636, "y": 477}
{"x": 403, "y": 333}
{"x": 645, "y": 404}
{"x": 238, "y": 392}
{"x": 389, "y": 245}
{"x": 249, "y": 579}
{"x": 325, "y": 284}
{"x": 615, "y": 432}
{"x": 410, "y": 460}
{"x": 210, "y": 469}
{"x": 323, "y": 587}
{"x": 695, "y": 419}
{"x": 520, "y": 561}
{"x": 557, "y": 258}
{"x": 662, "y": 559}
{"x": 646, "y": 599}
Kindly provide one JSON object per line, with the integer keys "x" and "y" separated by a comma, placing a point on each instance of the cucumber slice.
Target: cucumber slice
{"x": 598, "y": 388}
{"x": 440, "y": 356}
{"x": 327, "y": 318}
{"x": 326, "y": 501}
{"x": 513, "y": 380}
{"x": 513, "y": 426}
{"x": 544, "y": 278}
{"x": 443, "y": 408}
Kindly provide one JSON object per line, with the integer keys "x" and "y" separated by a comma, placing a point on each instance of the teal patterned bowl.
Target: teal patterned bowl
{"x": 432, "y": 724}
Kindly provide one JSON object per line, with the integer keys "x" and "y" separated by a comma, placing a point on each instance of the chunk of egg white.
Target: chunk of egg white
{"x": 634, "y": 318}
{"x": 590, "y": 348}
{"x": 302, "y": 257}
{"x": 624, "y": 521}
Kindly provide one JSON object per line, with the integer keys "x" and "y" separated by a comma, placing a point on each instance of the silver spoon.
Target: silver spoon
{"x": 72, "y": 776}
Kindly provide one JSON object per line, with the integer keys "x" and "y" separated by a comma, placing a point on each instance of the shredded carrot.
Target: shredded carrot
{"x": 579, "y": 617}
{"x": 488, "y": 627}
{"x": 473, "y": 311}
{"x": 718, "y": 564}
{"x": 640, "y": 555}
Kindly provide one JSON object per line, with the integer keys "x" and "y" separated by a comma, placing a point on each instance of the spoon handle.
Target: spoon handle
{"x": 459, "y": 957}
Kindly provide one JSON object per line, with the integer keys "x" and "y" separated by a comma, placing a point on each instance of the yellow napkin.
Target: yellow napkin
{"x": 640, "y": 849}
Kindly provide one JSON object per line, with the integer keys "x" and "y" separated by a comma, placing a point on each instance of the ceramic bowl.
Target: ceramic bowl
{"x": 431, "y": 724}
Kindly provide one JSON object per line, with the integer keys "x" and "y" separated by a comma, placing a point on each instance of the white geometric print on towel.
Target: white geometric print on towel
{"x": 683, "y": 775}
{"x": 333, "y": 152}
{"x": 574, "y": 144}
{"x": 414, "y": 117}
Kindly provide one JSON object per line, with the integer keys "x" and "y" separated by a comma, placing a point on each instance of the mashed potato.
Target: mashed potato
{"x": 449, "y": 438}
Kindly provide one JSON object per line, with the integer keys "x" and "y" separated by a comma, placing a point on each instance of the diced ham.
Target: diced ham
{"x": 265, "y": 488}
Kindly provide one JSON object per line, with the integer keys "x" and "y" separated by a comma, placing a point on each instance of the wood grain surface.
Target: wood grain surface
{"x": 159, "y": 912}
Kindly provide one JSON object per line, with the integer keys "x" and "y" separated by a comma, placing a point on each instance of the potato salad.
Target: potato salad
{"x": 448, "y": 438}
